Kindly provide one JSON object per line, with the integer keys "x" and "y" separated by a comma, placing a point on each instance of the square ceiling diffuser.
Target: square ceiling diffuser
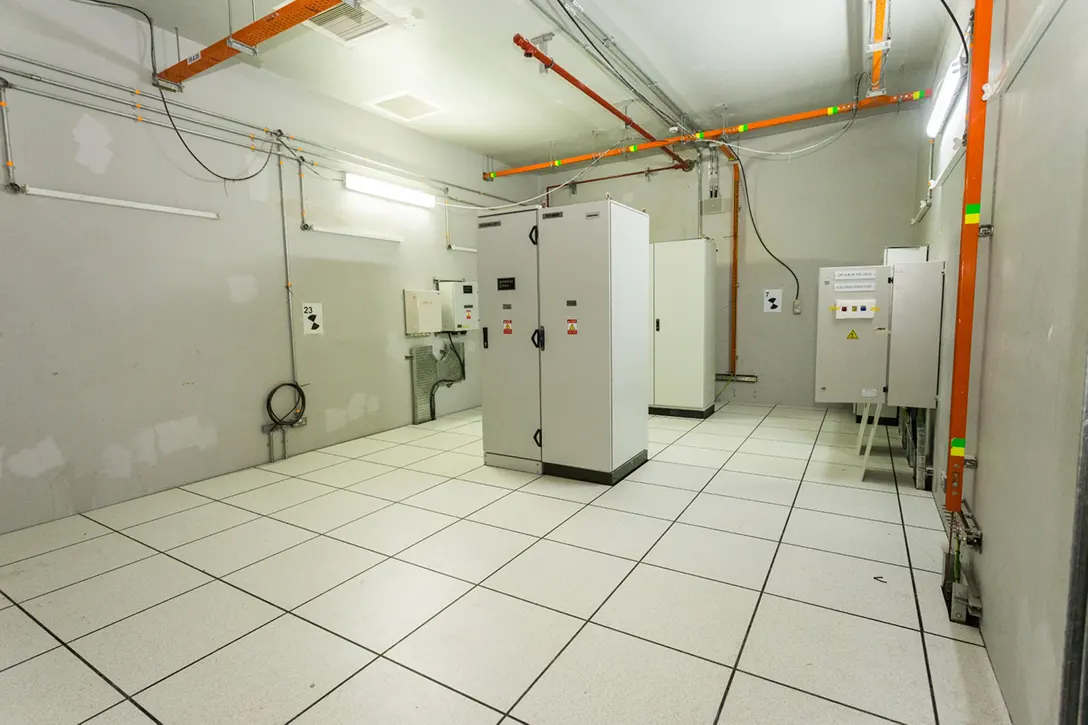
{"x": 407, "y": 107}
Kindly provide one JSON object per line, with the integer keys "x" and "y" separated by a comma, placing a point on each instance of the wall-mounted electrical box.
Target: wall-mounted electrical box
{"x": 422, "y": 312}
{"x": 460, "y": 306}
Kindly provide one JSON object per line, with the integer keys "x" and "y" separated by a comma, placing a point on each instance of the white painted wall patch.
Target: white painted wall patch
{"x": 93, "y": 140}
{"x": 313, "y": 319}
{"x": 772, "y": 300}
{"x": 33, "y": 462}
{"x": 243, "y": 288}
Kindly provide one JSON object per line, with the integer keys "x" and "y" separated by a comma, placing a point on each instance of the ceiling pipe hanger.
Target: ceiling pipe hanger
{"x": 531, "y": 51}
{"x": 865, "y": 103}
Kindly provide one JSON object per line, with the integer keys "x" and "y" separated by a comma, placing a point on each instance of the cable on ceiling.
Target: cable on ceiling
{"x": 166, "y": 106}
{"x": 963, "y": 40}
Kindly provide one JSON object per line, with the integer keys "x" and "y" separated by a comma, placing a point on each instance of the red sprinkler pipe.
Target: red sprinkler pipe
{"x": 531, "y": 51}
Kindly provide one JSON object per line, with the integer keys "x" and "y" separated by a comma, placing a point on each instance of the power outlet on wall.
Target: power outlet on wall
{"x": 797, "y": 307}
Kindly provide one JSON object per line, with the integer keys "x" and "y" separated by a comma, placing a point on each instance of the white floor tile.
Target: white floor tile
{"x": 754, "y": 487}
{"x": 854, "y": 476}
{"x": 303, "y": 572}
{"x": 44, "y": 573}
{"x": 564, "y": 488}
{"x": 845, "y": 457}
{"x": 661, "y": 502}
{"x": 231, "y": 484}
{"x": 873, "y": 666}
{"x": 474, "y": 429}
{"x": 304, "y": 463}
{"x": 787, "y": 435}
{"x": 53, "y": 688}
{"x": 146, "y": 647}
{"x": 572, "y": 580}
{"x": 139, "y": 510}
{"x": 230, "y": 550}
{"x": 347, "y": 473}
{"x": 441, "y": 424}
{"x": 792, "y": 411}
{"x": 796, "y": 423}
{"x": 44, "y": 538}
{"x": 196, "y": 523}
{"x": 695, "y": 615}
{"x": 448, "y": 464}
{"x": 392, "y": 529}
{"x": 633, "y": 682}
{"x": 456, "y": 498}
{"x": 400, "y": 456}
{"x": 927, "y": 548}
{"x": 326, "y": 513}
{"x": 382, "y": 605}
{"x": 102, "y": 600}
{"x": 487, "y": 645}
{"x": 777, "y": 448}
{"x": 935, "y": 612}
{"x": 718, "y": 555}
{"x": 123, "y": 713}
{"x": 711, "y": 441}
{"x": 849, "y": 440}
{"x": 444, "y": 441}
{"x": 964, "y": 684}
{"x": 468, "y": 550}
{"x": 767, "y": 466}
{"x": 921, "y": 513}
{"x": 847, "y": 501}
{"x": 692, "y": 478}
{"x": 407, "y": 434}
{"x": 841, "y": 426}
{"x": 729, "y": 427}
{"x": 754, "y": 701}
{"x": 662, "y": 435}
{"x": 689, "y": 456}
{"x": 652, "y": 449}
{"x": 278, "y": 496}
{"x": 738, "y": 515}
{"x": 527, "y": 513}
{"x": 866, "y": 588}
{"x": 358, "y": 448}
{"x": 845, "y": 535}
{"x": 670, "y": 423}
{"x": 398, "y": 485}
{"x": 501, "y": 477}
{"x": 611, "y": 532}
{"x": 385, "y": 692}
{"x": 21, "y": 638}
{"x": 476, "y": 448}
{"x": 266, "y": 677}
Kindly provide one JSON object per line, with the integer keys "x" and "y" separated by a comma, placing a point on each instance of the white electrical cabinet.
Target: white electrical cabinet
{"x": 564, "y": 296}
{"x": 422, "y": 312}
{"x": 682, "y": 327}
{"x": 460, "y": 306}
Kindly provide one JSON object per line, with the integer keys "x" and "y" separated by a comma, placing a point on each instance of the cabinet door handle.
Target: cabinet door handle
{"x": 657, "y": 325}
{"x": 485, "y": 338}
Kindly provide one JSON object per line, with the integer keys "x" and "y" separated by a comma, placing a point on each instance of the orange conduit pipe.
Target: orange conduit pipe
{"x": 644, "y": 172}
{"x": 735, "y": 276}
{"x": 969, "y": 231}
{"x": 876, "y": 75}
{"x": 867, "y": 103}
{"x": 531, "y": 51}
{"x": 260, "y": 30}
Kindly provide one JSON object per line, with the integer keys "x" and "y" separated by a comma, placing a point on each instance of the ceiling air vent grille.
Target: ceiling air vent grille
{"x": 347, "y": 24}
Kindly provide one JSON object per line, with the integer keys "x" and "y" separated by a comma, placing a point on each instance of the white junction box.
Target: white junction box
{"x": 682, "y": 353}
{"x": 852, "y": 335}
{"x": 564, "y": 297}
{"x": 422, "y": 312}
{"x": 460, "y": 306}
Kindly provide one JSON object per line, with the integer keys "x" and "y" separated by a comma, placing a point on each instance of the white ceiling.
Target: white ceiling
{"x": 760, "y": 57}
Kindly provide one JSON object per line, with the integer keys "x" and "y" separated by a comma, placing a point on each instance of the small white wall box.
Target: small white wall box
{"x": 460, "y": 306}
{"x": 422, "y": 312}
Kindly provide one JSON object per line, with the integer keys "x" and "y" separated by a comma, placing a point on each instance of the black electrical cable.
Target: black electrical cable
{"x": 298, "y": 410}
{"x": 166, "y": 106}
{"x": 963, "y": 39}
{"x": 439, "y": 383}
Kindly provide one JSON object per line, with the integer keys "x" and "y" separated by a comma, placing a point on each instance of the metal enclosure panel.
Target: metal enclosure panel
{"x": 913, "y": 358}
{"x": 682, "y": 324}
{"x": 509, "y": 314}
{"x": 575, "y": 311}
{"x": 898, "y": 255}
{"x": 630, "y": 286}
{"x": 653, "y": 286}
{"x": 852, "y": 346}
{"x": 460, "y": 306}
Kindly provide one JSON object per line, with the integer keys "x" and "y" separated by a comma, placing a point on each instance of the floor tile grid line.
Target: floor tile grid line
{"x": 153, "y": 550}
{"x": 617, "y": 587}
{"x": 384, "y": 653}
{"x": 59, "y": 548}
{"x": 917, "y": 604}
{"x": 125, "y": 696}
{"x": 855, "y": 708}
{"x": 762, "y": 591}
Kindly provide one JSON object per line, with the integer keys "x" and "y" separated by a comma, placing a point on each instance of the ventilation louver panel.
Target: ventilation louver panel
{"x": 348, "y": 23}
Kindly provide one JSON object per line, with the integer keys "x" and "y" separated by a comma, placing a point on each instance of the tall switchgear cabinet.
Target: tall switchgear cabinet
{"x": 564, "y": 297}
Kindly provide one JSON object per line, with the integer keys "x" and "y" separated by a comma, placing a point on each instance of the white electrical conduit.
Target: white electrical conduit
{"x": 353, "y": 233}
{"x": 53, "y": 194}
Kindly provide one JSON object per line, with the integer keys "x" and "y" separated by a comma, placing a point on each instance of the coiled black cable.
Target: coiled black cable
{"x": 439, "y": 383}
{"x": 298, "y": 410}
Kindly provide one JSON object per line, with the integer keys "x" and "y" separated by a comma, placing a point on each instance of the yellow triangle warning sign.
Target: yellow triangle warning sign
{"x": 853, "y": 335}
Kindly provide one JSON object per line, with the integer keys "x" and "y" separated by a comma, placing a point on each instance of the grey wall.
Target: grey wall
{"x": 137, "y": 348}
{"x": 863, "y": 184}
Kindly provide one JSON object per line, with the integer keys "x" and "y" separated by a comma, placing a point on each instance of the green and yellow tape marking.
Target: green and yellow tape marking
{"x": 971, "y": 215}
{"x": 742, "y": 128}
{"x": 957, "y": 448}
{"x": 832, "y": 110}
{"x": 557, "y": 163}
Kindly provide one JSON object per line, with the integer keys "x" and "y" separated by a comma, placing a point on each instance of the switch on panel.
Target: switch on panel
{"x": 855, "y": 309}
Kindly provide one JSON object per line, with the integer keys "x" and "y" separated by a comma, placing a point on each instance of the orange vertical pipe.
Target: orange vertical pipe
{"x": 965, "y": 297}
{"x": 879, "y": 11}
{"x": 734, "y": 283}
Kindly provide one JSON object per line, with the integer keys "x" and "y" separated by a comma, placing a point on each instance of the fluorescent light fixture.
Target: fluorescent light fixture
{"x": 66, "y": 196}
{"x": 386, "y": 190}
{"x": 949, "y": 89}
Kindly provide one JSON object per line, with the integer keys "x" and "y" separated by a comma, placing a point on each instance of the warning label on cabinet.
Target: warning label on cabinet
{"x": 853, "y": 335}
{"x": 508, "y": 327}
{"x": 572, "y": 326}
